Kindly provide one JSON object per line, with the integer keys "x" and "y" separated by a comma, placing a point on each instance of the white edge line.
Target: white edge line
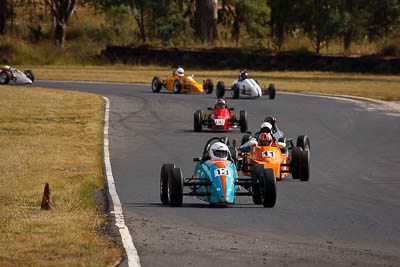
{"x": 131, "y": 252}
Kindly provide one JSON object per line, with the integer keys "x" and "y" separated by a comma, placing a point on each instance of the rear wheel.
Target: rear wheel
{"x": 197, "y": 121}
{"x": 165, "y": 170}
{"x": 177, "y": 86}
{"x": 175, "y": 187}
{"x": 256, "y": 176}
{"x": 220, "y": 90}
{"x": 304, "y": 142}
{"x": 30, "y": 75}
{"x": 271, "y": 91}
{"x": 243, "y": 121}
{"x": 269, "y": 188}
{"x": 295, "y": 162}
{"x": 304, "y": 166}
{"x": 209, "y": 86}
{"x": 156, "y": 84}
{"x": 235, "y": 91}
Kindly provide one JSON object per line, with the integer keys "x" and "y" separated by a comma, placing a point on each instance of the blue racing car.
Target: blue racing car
{"x": 215, "y": 179}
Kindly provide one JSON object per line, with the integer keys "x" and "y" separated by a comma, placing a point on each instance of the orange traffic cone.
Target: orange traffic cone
{"x": 46, "y": 200}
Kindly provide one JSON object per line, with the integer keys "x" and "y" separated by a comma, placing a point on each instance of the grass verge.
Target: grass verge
{"x": 383, "y": 87}
{"x": 55, "y": 137}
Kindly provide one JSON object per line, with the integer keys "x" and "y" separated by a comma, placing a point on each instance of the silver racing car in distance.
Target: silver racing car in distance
{"x": 12, "y": 75}
{"x": 244, "y": 86}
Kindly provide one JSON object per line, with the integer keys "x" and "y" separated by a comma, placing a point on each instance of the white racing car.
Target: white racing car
{"x": 245, "y": 86}
{"x": 9, "y": 74}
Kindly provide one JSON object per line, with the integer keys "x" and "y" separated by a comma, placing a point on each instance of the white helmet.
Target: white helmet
{"x": 266, "y": 127}
{"x": 219, "y": 151}
{"x": 180, "y": 72}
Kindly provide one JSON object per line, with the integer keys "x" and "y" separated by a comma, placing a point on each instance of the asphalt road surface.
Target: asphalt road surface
{"x": 347, "y": 214}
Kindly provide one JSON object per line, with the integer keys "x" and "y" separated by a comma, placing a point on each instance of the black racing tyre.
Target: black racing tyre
{"x": 304, "y": 164}
{"x": 256, "y": 176}
{"x": 4, "y": 77}
{"x": 271, "y": 91}
{"x": 177, "y": 86}
{"x": 220, "y": 90}
{"x": 156, "y": 84}
{"x": 209, "y": 86}
{"x": 245, "y": 138}
{"x": 295, "y": 162}
{"x": 243, "y": 121}
{"x": 304, "y": 142}
{"x": 30, "y": 75}
{"x": 165, "y": 170}
{"x": 175, "y": 187}
{"x": 269, "y": 188}
{"x": 235, "y": 91}
{"x": 197, "y": 121}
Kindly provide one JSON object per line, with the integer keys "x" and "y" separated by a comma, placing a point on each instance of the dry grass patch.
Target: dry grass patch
{"x": 384, "y": 87}
{"x": 55, "y": 137}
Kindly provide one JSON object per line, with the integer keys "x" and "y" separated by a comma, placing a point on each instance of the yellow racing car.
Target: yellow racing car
{"x": 181, "y": 83}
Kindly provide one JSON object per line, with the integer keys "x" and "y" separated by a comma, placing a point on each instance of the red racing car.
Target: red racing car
{"x": 220, "y": 118}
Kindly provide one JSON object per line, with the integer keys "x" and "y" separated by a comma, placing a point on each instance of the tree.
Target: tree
{"x": 206, "y": 17}
{"x": 321, "y": 21}
{"x": 284, "y": 18}
{"x": 6, "y": 12}
{"x": 252, "y": 14}
{"x": 61, "y": 11}
{"x": 384, "y": 17}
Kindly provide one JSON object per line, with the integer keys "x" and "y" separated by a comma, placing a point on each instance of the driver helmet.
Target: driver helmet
{"x": 180, "y": 72}
{"x": 219, "y": 151}
{"x": 265, "y": 139}
{"x": 221, "y": 103}
{"x": 243, "y": 75}
{"x": 266, "y": 127}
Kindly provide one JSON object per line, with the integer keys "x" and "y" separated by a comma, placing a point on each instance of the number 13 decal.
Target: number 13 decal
{"x": 219, "y": 172}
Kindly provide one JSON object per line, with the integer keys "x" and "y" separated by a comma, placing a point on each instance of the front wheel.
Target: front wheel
{"x": 165, "y": 170}
{"x": 177, "y": 86}
{"x": 197, "y": 121}
{"x": 156, "y": 84}
{"x": 269, "y": 188}
{"x": 4, "y": 77}
{"x": 243, "y": 121}
{"x": 30, "y": 75}
{"x": 271, "y": 91}
{"x": 256, "y": 176}
{"x": 175, "y": 187}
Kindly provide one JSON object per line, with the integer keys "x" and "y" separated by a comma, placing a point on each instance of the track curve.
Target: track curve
{"x": 348, "y": 213}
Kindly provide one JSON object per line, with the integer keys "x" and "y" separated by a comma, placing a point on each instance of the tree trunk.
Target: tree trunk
{"x": 61, "y": 32}
{"x": 61, "y": 10}
{"x": 3, "y": 16}
{"x": 206, "y": 20}
{"x": 348, "y": 35}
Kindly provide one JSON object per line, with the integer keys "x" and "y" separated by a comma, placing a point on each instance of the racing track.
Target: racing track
{"x": 348, "y": 214}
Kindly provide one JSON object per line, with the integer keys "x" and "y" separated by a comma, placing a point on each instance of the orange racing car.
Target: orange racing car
{"x": 280, "y": 156}
{"x": 178, "y": 82}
